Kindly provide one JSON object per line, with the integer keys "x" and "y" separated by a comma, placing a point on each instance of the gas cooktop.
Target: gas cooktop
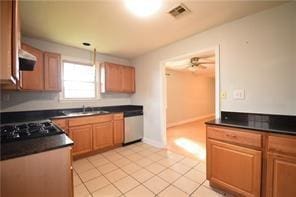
{"x": 22, "y": 131}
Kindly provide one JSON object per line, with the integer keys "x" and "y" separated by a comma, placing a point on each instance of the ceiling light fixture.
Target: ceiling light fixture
{"x": 143, "y": 8}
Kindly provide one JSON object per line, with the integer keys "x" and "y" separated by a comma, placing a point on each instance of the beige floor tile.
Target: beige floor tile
{"x": 100, "y": 162}
{"x": 134, "y": 157}
{"x": 155, "y": 157}
{"x": 114, "y": 157}
{"x": 122, "y": 162}
{"x": 109, "y": 167}
{"x": 96, "y": 183}
{"x": 108, "y": 191}
{"x": 166, "y": 162}
{"x": 81, "y": 191}
{"x": 155, "y": 168}
{"x": 169, "y": 175}
{"x": 76, "y": 180}
{"x": 109, "y": 153}
{"x": 190, "y": 162}
{"x": 126, "y": 153}
{"x": 95, "y": 157}
{"x": 172, "y": 191}
{"x": 90, "y": 174}
{"x": 142, "y": 175}
{"x": 145, "y": 153}
{"x": 131, "y": 168}
{"x": 137, "y": 149}
{"x": 196, "y": 176}
{"x": 181, "y": 168}
{"x": 143, "y": 162}
{"x": 156, "y": 184}
{"x": 82, "y": 166}
{"x": 186, "y": 185}
{"x": 126, "y": 184}
{"x": 206, "y": 183}
{"x": 115, "y": 175}
{"x": 174, "y": 156}
{"x": 139, "y": 191}
{"x": 204, "y": 191}
{"x": 201, "y": 167}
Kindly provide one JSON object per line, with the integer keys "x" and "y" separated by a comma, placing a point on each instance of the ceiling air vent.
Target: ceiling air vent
{"x": 179, "y": 11}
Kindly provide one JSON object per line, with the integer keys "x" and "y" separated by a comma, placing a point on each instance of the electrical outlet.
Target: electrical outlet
{"x": 239, "y": 94}
{"x": 223, "y": 95}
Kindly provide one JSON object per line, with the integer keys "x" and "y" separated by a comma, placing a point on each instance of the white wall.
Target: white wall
{"x": 22, "y": 101}
{"x": 257, "y": 53}
{"x": 189, "y": 96}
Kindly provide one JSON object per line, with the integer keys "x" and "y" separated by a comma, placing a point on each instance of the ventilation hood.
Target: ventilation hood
{"x": 27, "y": 61}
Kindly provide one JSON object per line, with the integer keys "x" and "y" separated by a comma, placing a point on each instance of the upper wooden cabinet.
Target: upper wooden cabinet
{"x": 117, "y": 78}
{"x": 52, "y": 71}
{"x": 33, "y": 80}
{"x": 46, "y": 75}
{"x": 10, "y": 42}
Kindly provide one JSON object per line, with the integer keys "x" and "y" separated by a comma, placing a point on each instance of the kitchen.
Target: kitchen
{"x": 116, "y": 86}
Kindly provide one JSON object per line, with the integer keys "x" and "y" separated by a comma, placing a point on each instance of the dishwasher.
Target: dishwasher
{"x": 133, "y": 126}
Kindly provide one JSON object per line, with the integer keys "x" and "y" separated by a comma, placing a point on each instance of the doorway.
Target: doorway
{"x": 191, "y": 85}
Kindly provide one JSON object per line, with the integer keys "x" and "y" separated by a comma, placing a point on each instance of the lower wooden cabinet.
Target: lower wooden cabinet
{"x": 118, "y": 131}
{"x": 82, "y": 137}
{"x": 234, "y": 168}
{"x": 102, "y": 135}
{"x": 281, "y": 176}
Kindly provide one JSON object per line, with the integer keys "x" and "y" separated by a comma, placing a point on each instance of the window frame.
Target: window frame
{"x": 97, "y": 86}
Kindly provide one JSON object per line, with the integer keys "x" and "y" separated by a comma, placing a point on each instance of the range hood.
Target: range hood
{"x": 27, "y": 61}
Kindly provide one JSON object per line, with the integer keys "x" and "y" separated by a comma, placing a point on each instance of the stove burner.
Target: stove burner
{"x": 10, "y": 133}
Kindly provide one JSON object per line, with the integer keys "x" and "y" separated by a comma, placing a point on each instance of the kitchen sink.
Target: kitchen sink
{"x": 86, "y": 113}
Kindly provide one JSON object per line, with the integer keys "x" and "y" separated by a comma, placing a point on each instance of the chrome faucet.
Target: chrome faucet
{"x": 84, "y": 108}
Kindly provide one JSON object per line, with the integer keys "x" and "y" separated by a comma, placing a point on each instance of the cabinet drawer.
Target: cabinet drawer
{"x": 282, "y": 144}
{"x": 235, "y": 136}
{"x": 89, "y": 120}
{"x": 118, "y": 116}
{"x": 63, "y": 123}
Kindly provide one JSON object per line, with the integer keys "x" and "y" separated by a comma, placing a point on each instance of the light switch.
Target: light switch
{"x": 239, "y": 94}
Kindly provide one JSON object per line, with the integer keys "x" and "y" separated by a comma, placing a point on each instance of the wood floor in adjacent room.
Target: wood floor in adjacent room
{"x": 188, "y": 139}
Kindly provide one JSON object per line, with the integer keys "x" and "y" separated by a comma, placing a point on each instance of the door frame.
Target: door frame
{"x": 163, "y": 88}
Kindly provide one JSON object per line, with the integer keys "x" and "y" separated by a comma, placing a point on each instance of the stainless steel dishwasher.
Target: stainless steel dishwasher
{"x": 133, "y": 126}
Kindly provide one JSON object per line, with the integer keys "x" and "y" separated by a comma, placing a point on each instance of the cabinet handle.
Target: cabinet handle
{"x": 231, "y": 135}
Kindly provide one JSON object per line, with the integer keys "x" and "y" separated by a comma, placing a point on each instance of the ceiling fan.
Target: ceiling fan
{"x": 200, "y": 62}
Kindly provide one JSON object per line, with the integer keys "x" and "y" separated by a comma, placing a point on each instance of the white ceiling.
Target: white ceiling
{"x": 113, "y": 30}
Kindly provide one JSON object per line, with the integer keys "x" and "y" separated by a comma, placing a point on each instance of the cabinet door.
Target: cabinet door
{"x": 234, "y": 168}
{"x": 113, "y": 77}
{"x": 281, "y": 176}
{"x": 118, "y": 131}
{"x": 103, "y": 135}
{"x": 52, "y": 71}
{"x": 82, "y": 137}
{"x": 128, "y": 79}
{"x": 33, "y": 80}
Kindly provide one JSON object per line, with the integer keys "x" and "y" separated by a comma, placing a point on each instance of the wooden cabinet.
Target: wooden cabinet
{"x": 43, "y": 174}
{"x": 82, "y": 137}
{"x": 117, "y": 78}
{"x": 281, "y": 166}
{"x": 62, "y": 123}
{"x": 118, "y": 129}
{"x": 234, "y": 168}
{"x": 52, "y": 71}
{"x": 33, "y": 80}
{"x": 128, "y": 79}
{"x": 102, "y": 135}
{"x": 10, "y": 43}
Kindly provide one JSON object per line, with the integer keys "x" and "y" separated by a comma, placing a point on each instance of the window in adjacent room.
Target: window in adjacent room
{"x": 79, "y": 81}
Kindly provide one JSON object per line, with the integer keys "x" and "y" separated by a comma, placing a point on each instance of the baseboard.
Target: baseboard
{"x": 153, "y": 143}
{"x": 189, "y": 120}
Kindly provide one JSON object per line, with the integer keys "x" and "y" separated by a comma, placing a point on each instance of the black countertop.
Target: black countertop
{"x": 31, "y": 146}
{"x": 281, "y": 124}
{"x": 26, "y": 116}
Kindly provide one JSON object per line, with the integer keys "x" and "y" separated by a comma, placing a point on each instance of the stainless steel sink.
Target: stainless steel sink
{"x": 86, "y": 113}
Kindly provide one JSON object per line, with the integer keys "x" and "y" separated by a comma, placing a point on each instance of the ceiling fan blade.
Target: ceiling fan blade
{"x": 210, "y": 62}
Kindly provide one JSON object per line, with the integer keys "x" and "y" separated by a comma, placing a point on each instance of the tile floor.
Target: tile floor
{"x": 140, "y": 170}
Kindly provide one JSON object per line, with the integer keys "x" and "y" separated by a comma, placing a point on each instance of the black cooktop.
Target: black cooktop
{"x": 28, "y": 130}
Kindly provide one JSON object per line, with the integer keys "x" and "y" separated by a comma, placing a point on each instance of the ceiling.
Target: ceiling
{"x": 113, "y": 30}
{"x": 183, "y": 64}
